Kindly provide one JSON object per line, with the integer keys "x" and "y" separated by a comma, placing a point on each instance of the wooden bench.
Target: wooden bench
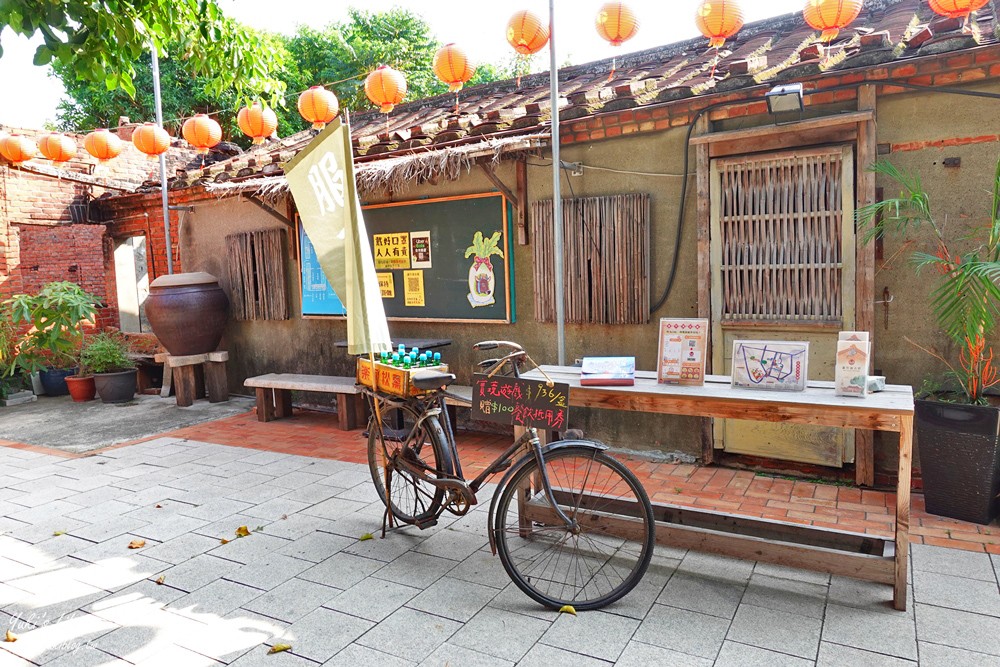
{"x": 274, "y": 396}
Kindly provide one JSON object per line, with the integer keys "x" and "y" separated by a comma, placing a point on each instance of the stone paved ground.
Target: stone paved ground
{"x": 75, "y": 595}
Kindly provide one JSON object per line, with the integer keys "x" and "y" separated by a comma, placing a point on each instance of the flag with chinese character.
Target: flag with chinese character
{"x": 321, "y": 178}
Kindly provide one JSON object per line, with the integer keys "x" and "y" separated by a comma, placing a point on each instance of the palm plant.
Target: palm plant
{"x": 966, "y": 296}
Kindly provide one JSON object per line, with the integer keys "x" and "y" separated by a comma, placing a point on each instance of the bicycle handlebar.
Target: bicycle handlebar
{"x": 494, "y": 344}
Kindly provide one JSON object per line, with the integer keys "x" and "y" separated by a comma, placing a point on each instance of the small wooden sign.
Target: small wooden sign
{"x": 519, "y": 402}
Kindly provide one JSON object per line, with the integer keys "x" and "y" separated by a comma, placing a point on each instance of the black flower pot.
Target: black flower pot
{"x": 959, "y": 449}
{"x": 116, "y": 387}
{"x": 54, "y": 380}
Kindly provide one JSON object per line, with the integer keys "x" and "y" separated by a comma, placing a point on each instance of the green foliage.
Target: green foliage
{"x": 55, "y": 316}
{"x": 102, "y": 40}
{"x": 966, "y": 296}
{"x": 107, "y": 353}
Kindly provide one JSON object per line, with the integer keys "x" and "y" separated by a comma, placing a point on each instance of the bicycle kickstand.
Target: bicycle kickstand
{"x": 387, "y": 518}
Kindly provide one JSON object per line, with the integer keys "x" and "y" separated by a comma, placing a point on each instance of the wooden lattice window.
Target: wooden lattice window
{"x": 606, "y": 259}
{"x": 782, "y": 237}
{"x": 257, "y": 275}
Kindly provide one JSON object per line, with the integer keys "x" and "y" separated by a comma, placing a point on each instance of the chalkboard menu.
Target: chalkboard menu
{"x": 436, "y": 259}
{"x": 505, "y": 400}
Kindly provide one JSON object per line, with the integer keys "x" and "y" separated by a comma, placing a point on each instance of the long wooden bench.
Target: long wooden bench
{"x": 274, "y": 396}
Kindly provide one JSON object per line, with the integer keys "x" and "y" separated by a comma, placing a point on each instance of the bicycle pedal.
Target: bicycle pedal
{"x": 429, "y": 523}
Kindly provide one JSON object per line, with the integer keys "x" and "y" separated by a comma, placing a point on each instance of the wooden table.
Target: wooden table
{"x": 838, "y": 552}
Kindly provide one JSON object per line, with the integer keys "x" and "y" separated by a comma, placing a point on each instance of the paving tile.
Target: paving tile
{"x": 355, "y": 655}
{"x": 276, "y": 508}
{"x": 217, "y": 598}
{"x": 926, "y": 558}
{"x": 779, "y": 631}
{"x": 482, "y": 567}
{"x": 323, "y": 633}
{"x": 200, "y": 571}
{"x": 500, "y": 633}
{"x": 249, "y": 549}
{"x": 114, "y": 574}
{"x": 85, "y": 656}
{"x": 147, "y": 592}
{"x": 54, "y": 547}
{"x": 52, "y": 595}
{"x": 341, "y": 570}
{"x": 942, "y": 590}
{"x": 55, "y": 639}
{"x": 542, "y": 655}
{"x": 716, "y": 567}
{"x": 453, "y": 598}
{"x": 413, "y": 569}
{"x": 106, "y": 530}
{"x": 958, "y": 629}
{"x": 45, "y": 492}
{"x": 255, "y": 494}
{"x": 334, "y": 508}
{"x": 452, "y": 544}
{"x": 292, "y": 600}
{"x": 596, "y": 634}
{"x": 310, "y": 493}
{"x": 682, "y": 630}
{"x": 215, "y": 509}
{"x": 347, "y": 478}
{"x": 231, "y": 637}
{"x": 410, "y": 634}
{"x": 866, "y": 595}
{"x": 450, "y": 655}
{"x": 892, "y": 634}
{"x": 734, "y": 654}
{"x": 836, "y": 655}
{"x": 363, "y": 492}
{"x": 316, "y": 546}
{"x": 115, "y": 547}
{"x": 56, "y": 508}
{"x": 297, "y": 479}
{"x": 259, "y": 657}
{"x": 936, "y": 655}
{"x": 638, "y": 601}
{"x": 638, "y": 654}
{"x": 180, "y": 549}
{"x": 269, "y": 571}
{"x": 790, "y": 595}
{"x": 171, "y": 655}
{"x": 136, "y": 642}
{"x": 226, "y": 526}
{"x": 169, "y": 527}
{"x": 389, "y": 548}
{"x": 703, "y": 593}
{"x": 109, "y": 510}
{"x": 296, "y": 526}
{"x": 375, "y": 599}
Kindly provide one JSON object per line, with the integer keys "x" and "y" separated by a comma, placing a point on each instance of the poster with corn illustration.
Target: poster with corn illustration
{"x": 482, "y": 282}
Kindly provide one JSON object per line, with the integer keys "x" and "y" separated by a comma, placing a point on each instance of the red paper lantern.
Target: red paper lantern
{"x": 452, "y": 66}
{"x": 616, "y": 23}
{"x": 385, "y": 87}
{"x": 202, "y": 132}
{"x": 17, "y": 149}
{"x": 831, "y": 16}
{"x": 318, "y": 106}
{"x": 956, "y": 8}
{"x": 257, "y": 121}
{"x": 57, "y": 147}
{"x": 151, "y": 139}
{"x": 103, "y": 145}
{"x": 719, "y": 20}
{"x": 526, "y": 33}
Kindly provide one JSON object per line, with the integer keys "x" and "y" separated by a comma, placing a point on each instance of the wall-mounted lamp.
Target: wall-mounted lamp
{"x": 785, "y": 99}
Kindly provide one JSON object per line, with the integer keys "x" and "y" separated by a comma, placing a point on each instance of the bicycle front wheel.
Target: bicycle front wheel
{"x": 596, "y": 559}
{"x": 409, "y": 498}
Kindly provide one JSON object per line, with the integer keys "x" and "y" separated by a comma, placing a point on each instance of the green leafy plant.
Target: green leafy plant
{"x": 107, "y": 353}
{"x": 53, "y": 320}
{"x": 966, "y": 296}
{"x": 483, "y": 248}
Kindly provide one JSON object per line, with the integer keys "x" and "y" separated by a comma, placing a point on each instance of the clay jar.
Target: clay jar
{"x": 188, "y": 312}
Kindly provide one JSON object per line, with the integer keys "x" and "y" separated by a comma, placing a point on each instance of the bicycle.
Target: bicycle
{"x": 551, "y": 516}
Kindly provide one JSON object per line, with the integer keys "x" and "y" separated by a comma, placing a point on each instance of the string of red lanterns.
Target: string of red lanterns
{"x": 831, "y": 16}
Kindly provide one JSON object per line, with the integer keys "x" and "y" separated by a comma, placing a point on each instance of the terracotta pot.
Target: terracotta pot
{"x": 116, "y": 387}
{"x": 81, "y": 388}
{"x": 188, "y": 312}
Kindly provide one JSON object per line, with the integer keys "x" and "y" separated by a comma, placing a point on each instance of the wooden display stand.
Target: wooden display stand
{"x": 194, "y": 375}
{"x": 857, "y": 555}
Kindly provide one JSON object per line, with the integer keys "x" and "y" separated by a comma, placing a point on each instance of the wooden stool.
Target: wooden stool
{"x": 192, "y": 374}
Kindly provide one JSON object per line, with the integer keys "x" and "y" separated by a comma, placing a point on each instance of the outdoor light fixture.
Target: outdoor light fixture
{"x": 786, "y": 98}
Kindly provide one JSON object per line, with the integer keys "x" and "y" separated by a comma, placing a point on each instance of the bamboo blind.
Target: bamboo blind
{"x": 257, "y": 275}
{"x": 606, "y": 259}
{"x": 780, "y": 220}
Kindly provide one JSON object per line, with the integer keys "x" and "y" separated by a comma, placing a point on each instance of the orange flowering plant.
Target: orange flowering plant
{"x": 966, "y": 297}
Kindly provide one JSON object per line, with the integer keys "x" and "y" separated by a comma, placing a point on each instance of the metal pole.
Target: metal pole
{"x": 163, "y": 159}
{"x": 556, "y": 189}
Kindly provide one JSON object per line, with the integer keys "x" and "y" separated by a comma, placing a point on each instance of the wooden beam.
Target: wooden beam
{"x": 521, "y": 214}
{"x": 495, "y": 180}
{"x": 85, "y": 179}
{"x": 864, "y": 294}
{"x": 267, "y": 209}
{"x": 704, "y": 219}
{"x": 844, "y": 119}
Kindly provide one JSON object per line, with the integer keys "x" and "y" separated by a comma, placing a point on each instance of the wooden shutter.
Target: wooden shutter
{"x": 606, "y": 259}
{"x": 257, "y": 275}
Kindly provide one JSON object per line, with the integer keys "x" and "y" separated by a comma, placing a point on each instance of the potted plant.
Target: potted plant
{"x": 12, "y": 386}
{"x": 107, "y": 357}
{"x": 957, "y": 425}
{"x": 53, "y": 320}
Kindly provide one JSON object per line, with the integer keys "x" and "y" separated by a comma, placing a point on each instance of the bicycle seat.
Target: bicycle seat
{"x": 430, "y": 380}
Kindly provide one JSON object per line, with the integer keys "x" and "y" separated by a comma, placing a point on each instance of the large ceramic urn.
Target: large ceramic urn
{"x": 188, "y": 312}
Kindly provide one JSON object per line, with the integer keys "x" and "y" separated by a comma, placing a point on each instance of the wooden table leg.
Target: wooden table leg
{"x": 903, "y": 511}
{"x": 282, "y": 403}
{"x": 199, "y": 380}
{"x": 265, "y": 405}
{"x": 168, "y": 374}
{"x": 186, "y": 388}
{"x": 345, "y": 412}
{"x": 216, "y": 381}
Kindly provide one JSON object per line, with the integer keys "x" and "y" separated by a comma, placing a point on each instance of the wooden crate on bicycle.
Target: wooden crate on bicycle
{"x": 393, "y": 380}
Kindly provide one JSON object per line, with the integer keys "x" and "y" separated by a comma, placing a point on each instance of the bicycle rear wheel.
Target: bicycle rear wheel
{"x": 598, "y": 559}
{"x": 411, "y": 499}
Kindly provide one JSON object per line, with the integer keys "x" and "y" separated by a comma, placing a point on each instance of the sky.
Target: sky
{"x": 475, "y": 25}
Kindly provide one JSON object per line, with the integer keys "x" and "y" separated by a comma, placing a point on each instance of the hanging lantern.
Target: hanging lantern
{"x": 385, "y": 87}
{"x": 17, "y": 149}
{"x": 616, "y": 23}
{"x": 257, "y": 121}
{"x": 151, "y": 139}
{"x": 452, "y": 66}
{"x": 319, "y": 106}
{"x": 103, "y": 145}
{"x": 57, "y": 147}
{"x": 831, "y": 16}
{"x": 956, "y": 8}
{"x": 201, "y": 132}
{"x": 719, "y": 20}
{"x": 526, "y": 33}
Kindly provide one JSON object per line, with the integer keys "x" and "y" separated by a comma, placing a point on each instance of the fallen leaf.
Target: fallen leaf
{"x": 285, "y": 516}
{"x": 159, "y": 507}
{"x": 278, "y": 648}
{"x": 567, "y": 609}
{"x": 160, "y": 580}
{"x": 136, "y": 544}
{"x": 223, "y": 541}
{"x": 58, "y": 533}
{"x": 10, "y": 637}
{"x": 259, "y": 529}
{"x": 366, "y": 536}
{"x": 242, "y": 531}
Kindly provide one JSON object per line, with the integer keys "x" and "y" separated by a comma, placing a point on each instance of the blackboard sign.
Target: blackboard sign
{"x": 505, "y": 400}
{"x": 318, "y": 297}
{"x": 436, "y": 259}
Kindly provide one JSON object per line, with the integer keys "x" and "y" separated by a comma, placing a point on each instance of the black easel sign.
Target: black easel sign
{"x": 505, "y": 400}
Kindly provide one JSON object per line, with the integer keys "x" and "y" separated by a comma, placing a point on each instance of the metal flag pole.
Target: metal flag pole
{"x": 163, "y": 159}
{"x": 556, "y": 189}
